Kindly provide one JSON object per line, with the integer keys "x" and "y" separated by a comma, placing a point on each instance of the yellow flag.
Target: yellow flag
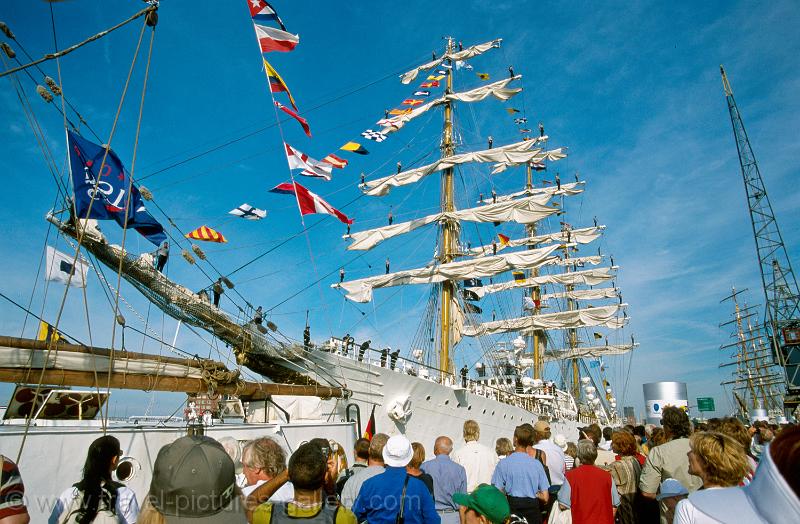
{"x": 436, "y": 78}
{"x": 47, "y": 332}
{"x": 483, "y": 76}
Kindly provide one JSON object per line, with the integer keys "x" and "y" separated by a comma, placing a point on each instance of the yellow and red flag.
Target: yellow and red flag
{"x": 207, "y": 234}
{"x": 504, "y": 240}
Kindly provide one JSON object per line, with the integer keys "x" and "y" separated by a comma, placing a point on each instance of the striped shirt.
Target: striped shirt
{"x": 12, "y": 491}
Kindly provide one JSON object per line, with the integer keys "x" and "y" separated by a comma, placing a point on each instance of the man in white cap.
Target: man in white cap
{"x": 394, "y": 496}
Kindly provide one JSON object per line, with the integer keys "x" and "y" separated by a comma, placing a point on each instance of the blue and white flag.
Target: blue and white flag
{"x": 109, "y": 199}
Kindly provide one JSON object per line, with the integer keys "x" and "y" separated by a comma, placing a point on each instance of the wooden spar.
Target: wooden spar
{"x": 29, "y": 343}
{"x": 244, "y": 390}
{"x": 62, "y": 377}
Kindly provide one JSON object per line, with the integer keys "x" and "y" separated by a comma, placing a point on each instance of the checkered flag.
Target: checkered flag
{"x": 377, "y": 136}
{"x": 520, "y": 120}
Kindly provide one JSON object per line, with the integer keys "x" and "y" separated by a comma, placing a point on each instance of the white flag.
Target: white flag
{"x": 60, "y": 267}
{"x": 310, "y": 167}
{"x": 248, "y": 212}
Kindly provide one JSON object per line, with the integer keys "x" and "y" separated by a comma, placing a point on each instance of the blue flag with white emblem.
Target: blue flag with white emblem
{"x": 106, "y": 192}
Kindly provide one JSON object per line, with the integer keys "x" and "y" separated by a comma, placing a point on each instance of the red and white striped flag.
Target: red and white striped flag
{"x": 335, "y": 161}
{"x": 273, "y": 39}
{"x": 310, "y": 167}
{"x": 302, "y": 121}
{"x": 309, "y": 202}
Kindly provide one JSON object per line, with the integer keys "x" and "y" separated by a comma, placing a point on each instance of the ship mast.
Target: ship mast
{"x": 536, "y": 292}
{"x": 449, "y": 229}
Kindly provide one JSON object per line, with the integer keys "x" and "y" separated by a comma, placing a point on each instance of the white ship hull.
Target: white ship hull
{"x": 433, "y": 409}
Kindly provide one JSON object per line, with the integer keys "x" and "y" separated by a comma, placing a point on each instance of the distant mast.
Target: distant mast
{"x": 449, "y": 229}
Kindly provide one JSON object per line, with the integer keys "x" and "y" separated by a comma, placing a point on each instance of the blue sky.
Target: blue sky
{"x": 632, "y": 89}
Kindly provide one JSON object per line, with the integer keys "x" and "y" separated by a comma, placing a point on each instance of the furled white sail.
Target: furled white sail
{"x": 361, "y": 290}
{"x": 579, "y": 236}
{"x": 465, "y": 54}
{"x": 583, "y": 294}
{"x": 502, "y": 157}
{"x": 578, "y": 261}
{"x": 496, "y": 89}
{"x": 523, "y": 211}
{"x": 590, "y": 277}
{"x": 589, "y": 317}
{"x": 566, "y": 189}
{"x": 552, "y": 355}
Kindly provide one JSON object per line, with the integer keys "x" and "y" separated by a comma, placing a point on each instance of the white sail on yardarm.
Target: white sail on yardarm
{"x": 590, "y": 277}
{"x": 553, "y": 355}
{"x": 596, "y": 316}
{"x": 457, "y": 56}
{"x": 522, "y": 211}
{"x": 361, "y": 290}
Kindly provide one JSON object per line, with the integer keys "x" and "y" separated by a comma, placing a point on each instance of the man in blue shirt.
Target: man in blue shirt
{"x": 383, "y": 497}
{"x": 448, "y": 478}
{"x": 522, "y": 478}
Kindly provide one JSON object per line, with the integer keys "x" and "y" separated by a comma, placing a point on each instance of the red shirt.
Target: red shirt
{"x": 590, "y": 495}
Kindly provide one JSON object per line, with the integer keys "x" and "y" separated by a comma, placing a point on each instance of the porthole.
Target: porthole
{"x": 484, "y": 411}
{"x": 428, "y": 397}
{"x": 446, "y": 402}
{"x": 469, "y": 408}
{"x": 127, "y": 469}
{"x": 492, "y": 412}
{"x": 505, "y": 415}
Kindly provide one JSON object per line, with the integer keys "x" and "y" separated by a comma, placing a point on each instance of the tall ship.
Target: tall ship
{"x": 520, "y": 308}
{"x": 756, "y": 384}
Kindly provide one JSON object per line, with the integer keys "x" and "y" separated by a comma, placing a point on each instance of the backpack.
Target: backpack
{"x": 104, "y": 514}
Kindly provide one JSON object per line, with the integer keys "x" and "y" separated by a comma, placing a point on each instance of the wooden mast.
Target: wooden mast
{"x": 449, "y": 230}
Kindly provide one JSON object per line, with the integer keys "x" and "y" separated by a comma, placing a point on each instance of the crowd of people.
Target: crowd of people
{"x": 719, "y": 471}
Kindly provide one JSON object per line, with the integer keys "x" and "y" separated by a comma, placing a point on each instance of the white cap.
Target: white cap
{"x": 560, "y": 441}
{"x": 397, "y": 451}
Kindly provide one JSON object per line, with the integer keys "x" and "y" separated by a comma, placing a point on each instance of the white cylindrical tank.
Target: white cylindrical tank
{"x": 658, "y": 395}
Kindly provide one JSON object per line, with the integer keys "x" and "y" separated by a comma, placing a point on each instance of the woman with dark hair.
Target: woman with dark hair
{"x": 97, "y": 498}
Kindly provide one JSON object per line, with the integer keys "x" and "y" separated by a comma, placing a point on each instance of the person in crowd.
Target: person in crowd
{"x": 262, "y": 460}
{"x": 394, "y": 496}
{"x": 761, "y": 435}
{"x": 625, "y": 472}
{"x": 605, "y": 444}
{"x": 308, "y": 467}
{"x": 772, "y": 497}
{"x": 234, "y": 450}
{"x": 96, "y": 493}
{"x": 589, "y": 491}
{"x": 669, "y": 460}
{"x": 336, "y": 461}
{"x": 448, "y": 478}
{"x": 670, "y": 493}
{"x": 503, "y": 448}
{"x": 641, "y": 438}
{"x": 194, "y": 480}
{"x": 555, "y": 455}
{"x": 12, "y": 494}
{"x": 361, "y": 454}
{"x": 522, "y": 478}
{"x": 595, "y": 434}
{"x": 485, "y": 505}
{"x": 657, "y": 437}
{"x": 413, "y": 467}
{"x": 734, "y": 428}
{"x": 375, "y": 466}
{"x": 717, "y": 459}
{"x": 648, "y": 434}
{"x": 570, "y": 453}
{"x": 478, "y": 460}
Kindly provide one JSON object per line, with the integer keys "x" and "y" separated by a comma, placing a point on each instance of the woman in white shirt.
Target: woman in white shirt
{"x": 97, "y": 498}
{"x": 717, "y": 459}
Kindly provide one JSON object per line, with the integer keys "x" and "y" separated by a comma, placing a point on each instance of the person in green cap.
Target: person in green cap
{"x": 485, "y": 505}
